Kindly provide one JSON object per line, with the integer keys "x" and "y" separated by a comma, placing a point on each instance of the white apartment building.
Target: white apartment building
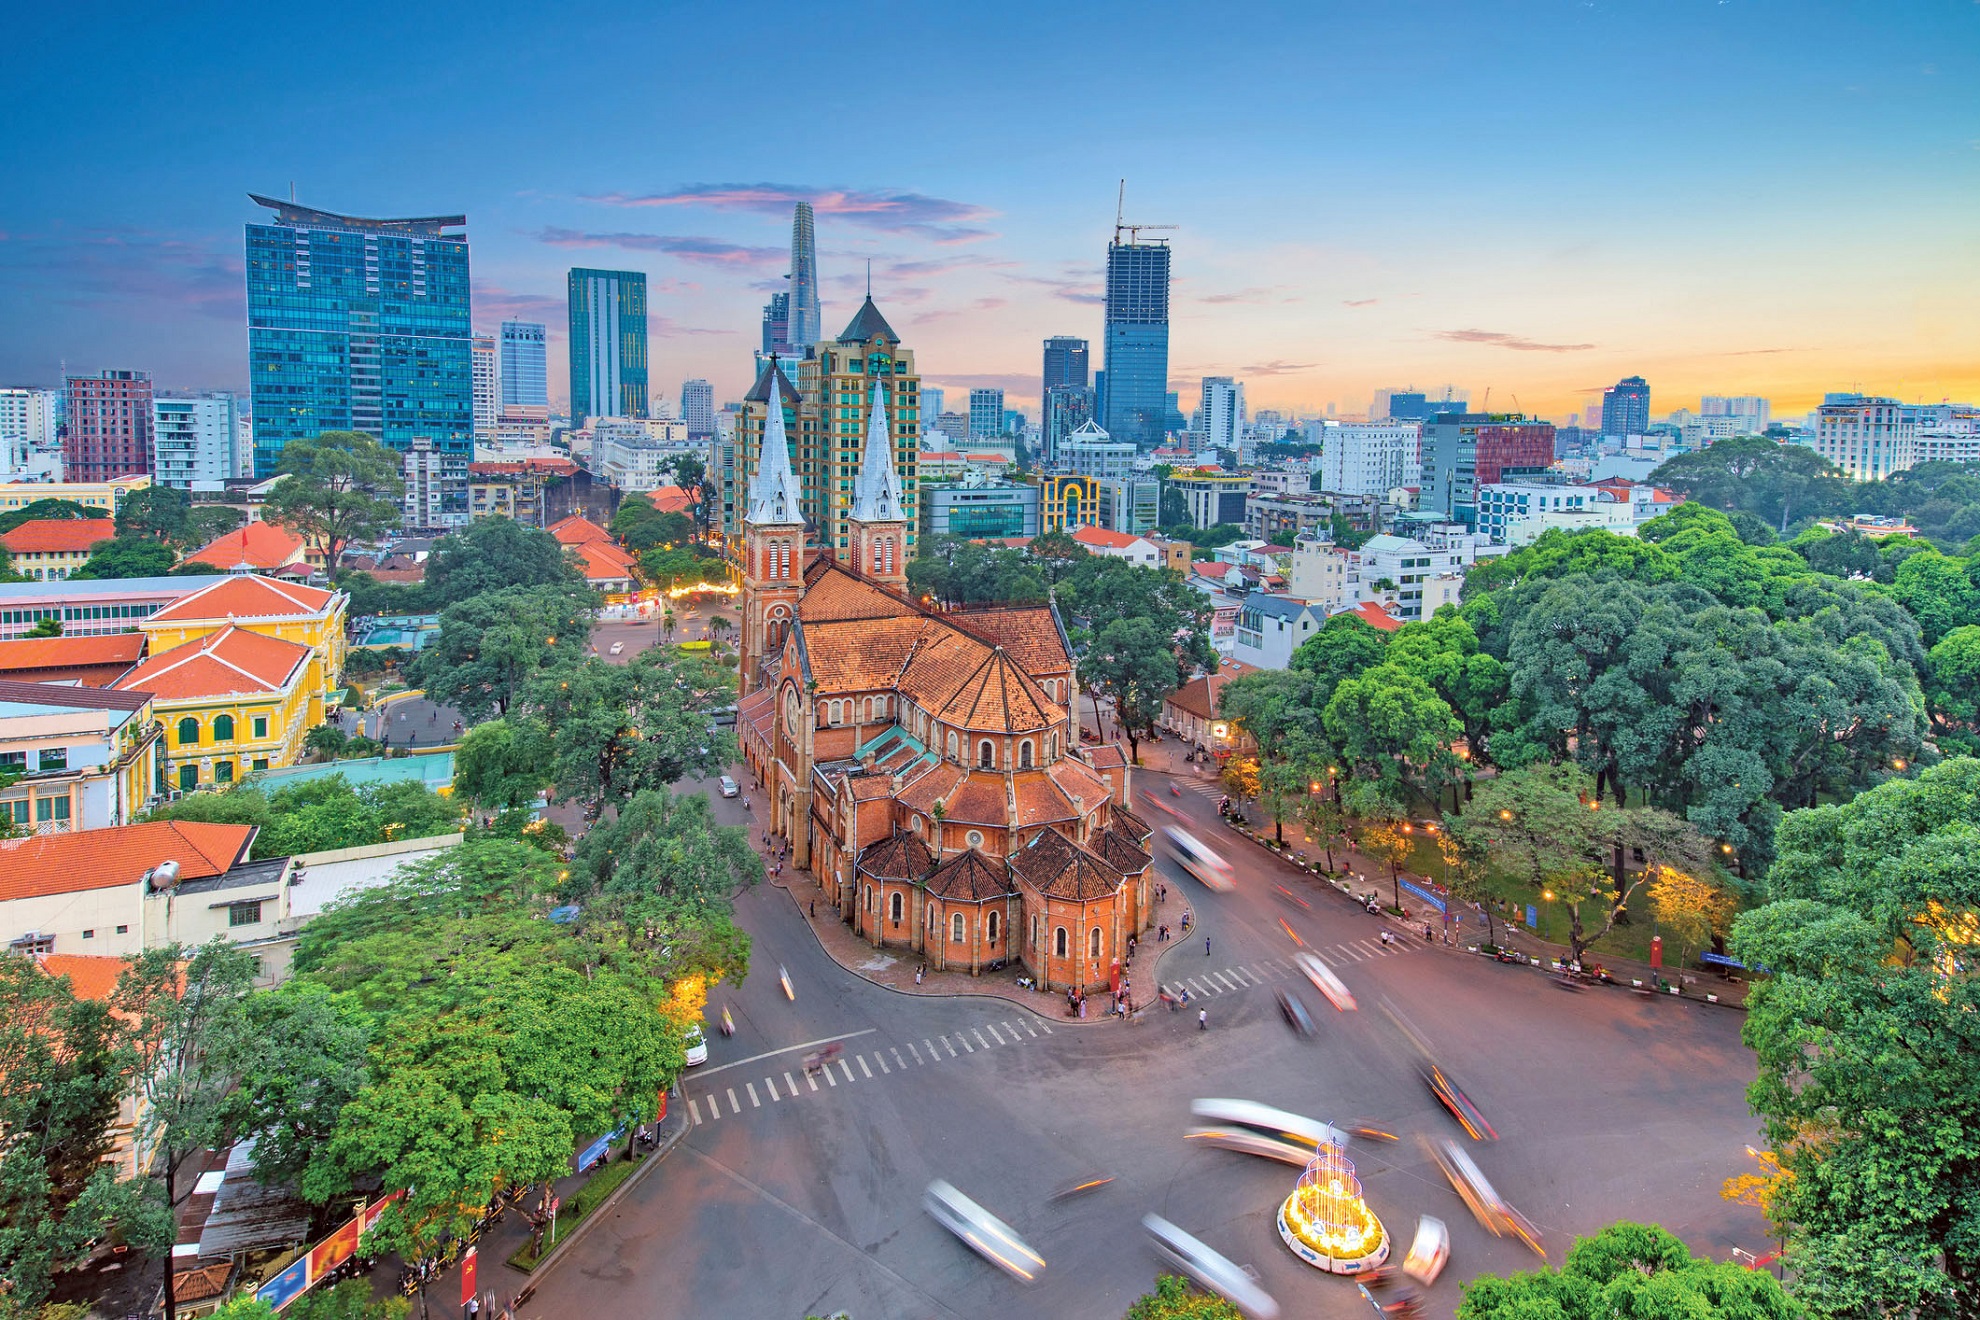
{"x": 195, "y": 441}
{"x": 1089, "y": 451}
{"x": 1603, "y": 515}
{"x": 487, "y": 382}
{"x": 1421, "y": 574}
{"x": 632, "y": 455}
{"x": 1504, "y": 504}
{"x": 1869, "y": 438}
{"x": 1271, "y": 628}
{"x": 1223, "y": 416}
{"x": 1324, "y": 575}
{"x": 1367, "y": 458}
{"x": 29, "y": 415}
{"x": 1750, "y": 414}
{"x": 424, "y": 486}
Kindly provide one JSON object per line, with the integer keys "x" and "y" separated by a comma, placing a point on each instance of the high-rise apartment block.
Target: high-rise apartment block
{"x": 525, "y": 368}
{"x": 1090, "y": 452}
{"x": 1066, "y": 409}
{"x": 827, "y": 413}
{"x": 29, "y": 415}
{"x": 777, "y": 328}
{"x": 698, "y": 408}
{"x": 1367, "y": 458}
{"x": 1134, "y": 403}
{"x": 1066, "y": 363}
{"x": 1751, "y": 414}
{"x": 195, "y": 441}
{"x": 1414, "y": 405}
{"x": 1463, "y": 451}
{"x": 1223, "y": 415}
{"x": 1868, "y": 437}
{"x": 361, "y": 324}
{"x": 931, "y": 406}
{"x": 807, "y": 315}
{"x": 109, "y": 427}
{"x": 1626, "y": 407}
{"x": 986, "y": 414}
{"x": 608, "y": 344}
{"x": 487, "y": 386}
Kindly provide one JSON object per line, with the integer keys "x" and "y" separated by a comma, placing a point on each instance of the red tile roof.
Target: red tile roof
{"x": 578, "y": 530}
{"x": 1376, "y": 617}
{"x": 257, "y": 544}
{"x": 58, "y": 535}
{"x": 102, "y": 859}
{"x": 1059, "y": 868}
{"x": 901, "y": 856}
{"x": 970, "y": 878}
{"x": 231, "y": 662}
{"x": 71, "y": 695}
{"x": 673, "y": 499}
{"x": 604, "y": 561}
{"x": 29, "y": 653}
{"x": 1101, "y": 537}
{"x": 90, "y": 977}
{"x": 1198, "y": 697}
{"x": 246, "y": 597}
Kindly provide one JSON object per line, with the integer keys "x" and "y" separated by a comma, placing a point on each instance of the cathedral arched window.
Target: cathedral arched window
{"x": 1096, "y": 942}
{"x": 990, "y": 927}
{"x": 1024, "y": 755}
{"x": 1059, "y": 942}
{"x": 953, "y": 746}
{"x": 894, "y": 909}
{"x": 956, "y": 928}
{"x": 986, "y": 754}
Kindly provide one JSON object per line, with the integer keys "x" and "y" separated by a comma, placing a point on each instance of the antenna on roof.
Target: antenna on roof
{"x": 869, "y": 277}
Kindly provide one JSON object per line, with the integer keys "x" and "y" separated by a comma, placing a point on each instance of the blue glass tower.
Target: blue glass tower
{"x": 1137, "y": 342}
{"x": 525, "y": 371}
{"x": 361, "y": 325}
{"x": 608, "y": 344}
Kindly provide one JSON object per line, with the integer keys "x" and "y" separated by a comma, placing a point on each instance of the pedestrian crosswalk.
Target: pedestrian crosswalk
{"x": 719, "y": 1099}
{"x": 1227, "y": 980}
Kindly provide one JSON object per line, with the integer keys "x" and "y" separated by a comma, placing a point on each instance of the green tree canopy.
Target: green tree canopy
{"x": 322, "y": 814}
{"x": 616, "y": 729}
{"x": 341, "y": 486}
{"x": 35, "y": 510}
{"x": 1869, "y": 1078}
{"x": 1952, "y": 689}
{"x": 496, "y": 554}
{"x": 504, "y": 764}
{"x": 158, "y": 513}
{"x": 1175, "y": 1299}
{"x": 1633, "y": 1270}
{"x": 1132, "y": 662}
{"x": 128, "y": 557}
{"x": 493, "y": 644}
{"x": 1756, "y": 475}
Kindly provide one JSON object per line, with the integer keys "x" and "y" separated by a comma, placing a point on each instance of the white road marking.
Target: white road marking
{"x": 863, "y": 1068}
{"x": 967, "y": 1048}
{"x": 694, "y": 1108}
{"x": 810, "y": 1079}
{"x": 1046, "y": 1027}
{"x": 881, "y": 1059}
{"x": 849, "y": 1071}
{"x": 947, "y": 1045}
{"x": 754, "y": 1103}
{"x": 770, "y": 1085}
{"x": 829, "y": 1077}
{"x": 998, "y": 1034}
{"x": 792, "y": 1083}
{"x": 979, "y": 1037}
{"x": 1027, "y": 1026}
{"x": 735, "y": 1105}
{"x": 897, "y": 1056}
{"x": 705, "y": 1071}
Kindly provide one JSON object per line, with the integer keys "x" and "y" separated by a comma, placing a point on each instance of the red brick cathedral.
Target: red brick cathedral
{"x": 927, "y": 765}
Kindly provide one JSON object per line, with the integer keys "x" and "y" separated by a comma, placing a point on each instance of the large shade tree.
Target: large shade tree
{"x": 338, "y": 487}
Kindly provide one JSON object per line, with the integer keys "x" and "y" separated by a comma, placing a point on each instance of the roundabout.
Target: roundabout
{"x": 1327, "y": 1223}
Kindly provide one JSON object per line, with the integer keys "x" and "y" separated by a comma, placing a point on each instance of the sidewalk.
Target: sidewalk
{"x": 894, "y": 968}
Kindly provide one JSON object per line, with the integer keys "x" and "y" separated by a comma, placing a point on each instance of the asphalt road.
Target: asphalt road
{"x": 794, "y": 1196}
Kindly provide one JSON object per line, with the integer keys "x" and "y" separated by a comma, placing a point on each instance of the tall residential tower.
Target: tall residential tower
{"x": 1134, "y": 401}
{"x": 807, "y": 324}
{"x": 358, "y": 324}
{"x": 608, "y": 344}
{"x": 525, "y": 366}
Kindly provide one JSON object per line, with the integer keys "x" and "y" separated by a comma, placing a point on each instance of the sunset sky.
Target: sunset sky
{"x": 1722, "y": 196}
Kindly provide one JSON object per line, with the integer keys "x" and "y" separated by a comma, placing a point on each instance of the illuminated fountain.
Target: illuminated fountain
{"x": 1326, "y": 1222}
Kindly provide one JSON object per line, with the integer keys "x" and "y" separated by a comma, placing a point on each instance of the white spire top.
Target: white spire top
{"x": 878, "y": 495}
{"x": 773, "y": 491}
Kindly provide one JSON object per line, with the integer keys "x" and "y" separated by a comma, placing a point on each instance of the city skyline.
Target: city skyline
{"x": 1302, "y": 265}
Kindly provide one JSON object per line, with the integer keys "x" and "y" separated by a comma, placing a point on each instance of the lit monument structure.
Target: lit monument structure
{"x": 1327, "y": 1223}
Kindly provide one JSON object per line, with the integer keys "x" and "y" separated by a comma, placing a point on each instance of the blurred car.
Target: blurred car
{"x": 1457, "y": 1102}
{"x": 695, "y": 1046}
{"x": 1364, "y": 1127}
{"x": 1483, "y": 1199}
{"x": 1428, "y": 1251}
{"x": 729, "y": 786}
{"x": 1324, "y": 980}
{"x": 1254, "y": 1129}
{"x": 1209, "y": 1270}
{"x": 1295, "y": 1014}
{"x": 982, "y": 1232}
{"x": 1199, "y": 861}
{"x": 617, "y": 647}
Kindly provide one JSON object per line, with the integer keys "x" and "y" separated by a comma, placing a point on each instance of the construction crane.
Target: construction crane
{"x": 1133, "y": 231}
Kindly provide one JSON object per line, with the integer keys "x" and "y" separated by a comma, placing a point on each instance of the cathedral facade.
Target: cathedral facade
{"x": 926, "y": 765}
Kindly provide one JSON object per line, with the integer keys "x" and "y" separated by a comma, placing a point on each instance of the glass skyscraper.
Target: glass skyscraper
{"x": 525, "y": 370}
{"x": 608, "y": 344}
{"x": 1065, "y": 362}
{"x": 1137, "y": 344}
{"x": 361, "y": 325}
{"x": 807, "y": 325}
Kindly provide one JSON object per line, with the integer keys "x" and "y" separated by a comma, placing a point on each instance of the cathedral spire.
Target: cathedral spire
{"x": 773, "y": 492}
{"x": 878, "y": 496}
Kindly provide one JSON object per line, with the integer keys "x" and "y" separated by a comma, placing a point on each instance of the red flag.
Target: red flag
{"x": 467, "y": 1277}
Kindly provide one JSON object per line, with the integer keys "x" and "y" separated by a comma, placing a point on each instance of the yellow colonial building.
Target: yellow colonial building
{"x": 240, "y": 672}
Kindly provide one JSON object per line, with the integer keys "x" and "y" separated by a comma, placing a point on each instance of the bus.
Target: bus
{"x": 1254, "y": 1129}
{"x": 1196, "y": 860}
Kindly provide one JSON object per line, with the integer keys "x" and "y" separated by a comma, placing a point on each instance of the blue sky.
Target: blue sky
{"x": 1721, "y": 195}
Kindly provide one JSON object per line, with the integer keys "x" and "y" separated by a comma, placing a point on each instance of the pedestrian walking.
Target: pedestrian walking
{"x": 1203, "y": 1019}
{"x": 814, "y": 909}
{"x": 1206, "y": 946}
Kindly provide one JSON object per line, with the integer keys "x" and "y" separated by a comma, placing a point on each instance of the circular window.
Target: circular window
{"x": 974, "y": 838}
